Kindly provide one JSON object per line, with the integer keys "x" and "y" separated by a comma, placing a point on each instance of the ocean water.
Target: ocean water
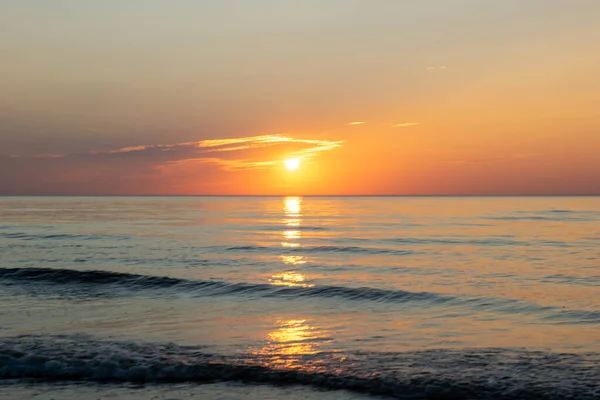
{"x": 300, "y": 298}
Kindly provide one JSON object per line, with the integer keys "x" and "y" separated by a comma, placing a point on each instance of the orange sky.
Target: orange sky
{"x": 374, "y": 96}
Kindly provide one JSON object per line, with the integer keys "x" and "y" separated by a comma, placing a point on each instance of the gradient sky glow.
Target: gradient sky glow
{"x": 375, "y": 96}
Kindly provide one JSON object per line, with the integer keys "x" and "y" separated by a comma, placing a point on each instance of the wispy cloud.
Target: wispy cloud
{"x": 433, "y": 68}
{"x": 504, "y": 157}
{"x": 37, "y": 156}
{"x": 386, "y": 124}
{"x": 198, "y": 151}
{"x": 227, "y": 165}
{"x": 406, "y": 124}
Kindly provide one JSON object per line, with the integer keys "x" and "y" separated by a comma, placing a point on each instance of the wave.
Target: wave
{"x": 456, "y": 240}
{"x": 550, "y": 215}
{"x": 537, "y": 218}
{"x": 281, "y": 228}
{"x": 433, "y": 374}
{"x": 105, "y": 278}
{"x": 478, "y": 242}
{"x": 107, "y": 281}
{"x": 593, "y": 280}
{"x": 58, "y": 236}
{"x": 321, "y": 249}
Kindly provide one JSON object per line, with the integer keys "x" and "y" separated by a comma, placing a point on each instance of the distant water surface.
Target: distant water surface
{"x": 393, "y": 296}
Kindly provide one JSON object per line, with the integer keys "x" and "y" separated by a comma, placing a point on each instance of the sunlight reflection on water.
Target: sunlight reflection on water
{"x": 377, "y": 274}
{"x": 293, "y": 338}
{"x": 292, "y": 210}
{"x": 290, "y": 278}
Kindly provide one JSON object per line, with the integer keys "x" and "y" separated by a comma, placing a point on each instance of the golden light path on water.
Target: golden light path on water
{"x": 292, "y": 209}
{"x": 285, "y": 345}
{"x": 289, "y": 279}
{"x": 292, "y": 337}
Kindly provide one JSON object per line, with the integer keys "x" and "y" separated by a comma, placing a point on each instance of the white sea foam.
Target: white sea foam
{"x": 474, "y": 374}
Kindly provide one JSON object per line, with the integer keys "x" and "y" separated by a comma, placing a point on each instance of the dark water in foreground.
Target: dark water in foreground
{"x": 474, "y": 298}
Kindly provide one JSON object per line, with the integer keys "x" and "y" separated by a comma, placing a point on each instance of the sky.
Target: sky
{"x": 390, "y": 97}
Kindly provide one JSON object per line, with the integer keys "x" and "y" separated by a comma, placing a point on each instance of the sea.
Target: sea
{"x": 299, "y": 298}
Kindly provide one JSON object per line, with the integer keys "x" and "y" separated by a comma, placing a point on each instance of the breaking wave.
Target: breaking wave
{"x": 433, "y": 374}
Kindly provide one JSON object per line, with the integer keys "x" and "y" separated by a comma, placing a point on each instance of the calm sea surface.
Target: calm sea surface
{"x": 474, "y": 298}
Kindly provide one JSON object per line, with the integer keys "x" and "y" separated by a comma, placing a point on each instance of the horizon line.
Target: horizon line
{"x": 300, "y": 195}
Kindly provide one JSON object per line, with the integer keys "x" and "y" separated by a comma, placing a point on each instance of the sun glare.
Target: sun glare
{"x": 292, "y": 163}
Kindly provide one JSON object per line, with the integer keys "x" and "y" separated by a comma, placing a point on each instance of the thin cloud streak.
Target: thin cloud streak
{"x": 406, "y": 124}
{"x": 227, "y": 165}
{"x": 506, "y": 157}
{"x": 37, "y": 156}
{"x": 169, "y": 154}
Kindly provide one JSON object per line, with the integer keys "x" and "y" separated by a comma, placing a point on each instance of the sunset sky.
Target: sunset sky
{"x": 372, "y": 96}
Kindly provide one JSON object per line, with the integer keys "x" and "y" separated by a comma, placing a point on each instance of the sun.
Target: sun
{"x": 292, "y": 163}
